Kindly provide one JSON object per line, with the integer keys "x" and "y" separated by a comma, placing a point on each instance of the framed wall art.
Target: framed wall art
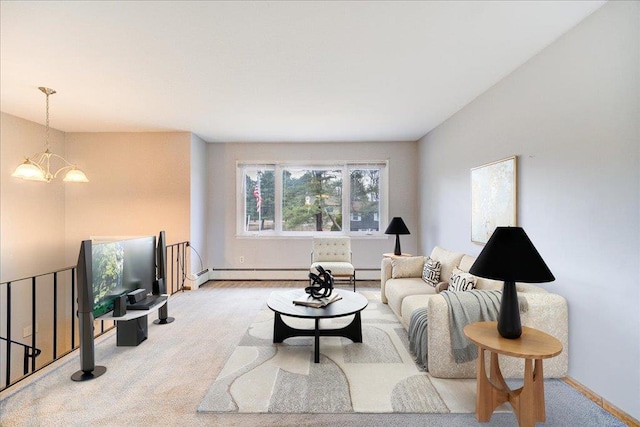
{"x": 493, "y": 198}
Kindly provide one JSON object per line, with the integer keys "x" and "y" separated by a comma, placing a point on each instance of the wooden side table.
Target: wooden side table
{"x": 392, "y": 255}
{"x": 533, "y": 345}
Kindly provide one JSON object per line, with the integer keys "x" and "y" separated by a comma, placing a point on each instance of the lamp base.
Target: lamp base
{"x": 397, "y": 250}
{"x": 509, "y": 318}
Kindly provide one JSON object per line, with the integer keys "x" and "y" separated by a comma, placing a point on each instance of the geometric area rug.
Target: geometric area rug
{"x": 378, "y": 375}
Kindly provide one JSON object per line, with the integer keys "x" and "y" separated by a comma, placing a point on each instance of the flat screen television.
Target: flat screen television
{"x": 119, "y": 267}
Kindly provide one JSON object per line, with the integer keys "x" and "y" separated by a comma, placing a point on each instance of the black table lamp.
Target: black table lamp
{"x": 397, "y": 227}
{"x": 509, "y": 255}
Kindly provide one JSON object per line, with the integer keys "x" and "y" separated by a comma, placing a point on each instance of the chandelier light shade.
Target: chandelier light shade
{"x": 397, "y": 227}
{"x": 39, "y": 166}
{"x": 510, "y": 256}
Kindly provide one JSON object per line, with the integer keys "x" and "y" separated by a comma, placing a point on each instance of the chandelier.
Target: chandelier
{"x": 38, "y": 166}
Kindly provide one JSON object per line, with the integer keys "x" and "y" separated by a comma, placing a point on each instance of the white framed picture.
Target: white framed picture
{"x": 493, "y": 198}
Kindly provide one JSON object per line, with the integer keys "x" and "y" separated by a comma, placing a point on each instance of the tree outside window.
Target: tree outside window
{"x": 311, "y": 200}
{"x": 365, "y": 199}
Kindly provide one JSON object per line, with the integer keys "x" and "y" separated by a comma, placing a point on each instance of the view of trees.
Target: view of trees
{"x": 108, "y": 259}
{"x": 365, "y": 199}
{"x": 311, "y": 199}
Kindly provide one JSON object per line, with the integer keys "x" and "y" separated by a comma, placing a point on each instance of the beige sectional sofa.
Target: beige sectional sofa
{"x": 404, "y": 290}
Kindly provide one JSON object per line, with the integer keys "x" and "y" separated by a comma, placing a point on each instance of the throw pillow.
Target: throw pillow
{"x": 461, "y": 281}
{"x": 431, "y": 272}
{"x": 406, "y": 267}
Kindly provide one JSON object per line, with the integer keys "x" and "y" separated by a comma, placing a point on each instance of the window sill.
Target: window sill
{"x": 310, "y": 236}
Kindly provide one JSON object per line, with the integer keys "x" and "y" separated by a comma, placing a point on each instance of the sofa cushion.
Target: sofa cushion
{"x": 448, "y": 260}
{"x": 397, "y": 289}
{"x": 431, "y": 272}
{"x": 337, "y": 268}
{"x": 461, "y": 281}
{"x": 406, "y": 267}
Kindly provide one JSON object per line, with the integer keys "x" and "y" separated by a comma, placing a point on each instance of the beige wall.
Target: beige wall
{"x": 31, "y": 213}
{"x": 571, "y": 115}
{"x": 139, "y": 185}
{"x": 32, "y": 231}
{"x": 225, "y": 248}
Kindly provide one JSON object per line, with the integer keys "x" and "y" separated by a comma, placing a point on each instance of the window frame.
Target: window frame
{"x": 280, "y": 166}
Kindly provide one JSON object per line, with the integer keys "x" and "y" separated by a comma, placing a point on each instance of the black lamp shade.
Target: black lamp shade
{"x": 510, "y": 256}
{"x": 397, "y": 227}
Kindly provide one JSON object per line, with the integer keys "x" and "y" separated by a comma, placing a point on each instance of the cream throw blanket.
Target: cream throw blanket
{"x": 469, "y": 307}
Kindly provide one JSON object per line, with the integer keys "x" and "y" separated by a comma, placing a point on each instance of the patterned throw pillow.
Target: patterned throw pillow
{"x": 431, "y": 272}
{"x": 461, "y": 281}
{"x": 406, "y": 267}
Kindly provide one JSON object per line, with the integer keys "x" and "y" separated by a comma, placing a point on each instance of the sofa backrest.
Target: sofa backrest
{"x": 448, "y": 261}
{"x": 481, "y": 283}
{"x": 466, "y": 262}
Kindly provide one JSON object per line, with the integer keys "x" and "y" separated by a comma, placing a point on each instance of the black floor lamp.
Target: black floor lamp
{"x": 510, "y": 256}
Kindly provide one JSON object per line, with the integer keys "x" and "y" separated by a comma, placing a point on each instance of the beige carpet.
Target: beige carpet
{"x": 377, "y": 375}
{"x": 164, "y": 380}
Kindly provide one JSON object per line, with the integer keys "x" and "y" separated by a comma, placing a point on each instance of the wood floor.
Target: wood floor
{"x": 280, "y": 284}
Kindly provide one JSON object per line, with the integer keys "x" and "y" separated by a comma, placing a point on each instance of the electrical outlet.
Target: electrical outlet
{"x": 241, "y": 259}
{"x": 27, "y": 331}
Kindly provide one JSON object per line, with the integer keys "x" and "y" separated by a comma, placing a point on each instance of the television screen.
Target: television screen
{"x": 140, "y": 263}
{"x": 108, "y": 269}
{"x": 121, "y": 267}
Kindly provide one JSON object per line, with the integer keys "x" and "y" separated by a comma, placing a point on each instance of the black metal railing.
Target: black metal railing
{"x": 177, "y": 267}
{"x": 45, "y": 307}
{"x": 27, "y": 354}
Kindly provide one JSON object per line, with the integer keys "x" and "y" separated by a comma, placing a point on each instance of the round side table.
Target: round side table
{"x": 533, "y": 346}
{"x": 392, "y": 255}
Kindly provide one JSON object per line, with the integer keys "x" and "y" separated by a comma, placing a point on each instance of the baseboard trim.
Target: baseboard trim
{"x": 279, "y": 274}
{"x": 604, "y": 404}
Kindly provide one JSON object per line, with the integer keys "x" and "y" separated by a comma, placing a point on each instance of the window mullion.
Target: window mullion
{"x": 346, "y": 199}
{"x": 278, "y": 198}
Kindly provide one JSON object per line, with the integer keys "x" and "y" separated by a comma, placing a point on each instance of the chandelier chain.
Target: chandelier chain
{"x": 46, "y": 144}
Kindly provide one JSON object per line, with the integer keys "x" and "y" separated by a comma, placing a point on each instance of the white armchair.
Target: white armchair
{"x": 334, "y": 253}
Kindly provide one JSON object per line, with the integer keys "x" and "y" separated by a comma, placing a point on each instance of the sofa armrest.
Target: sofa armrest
{"x": 545, "y": 311}
{"x": 385, "y": 274}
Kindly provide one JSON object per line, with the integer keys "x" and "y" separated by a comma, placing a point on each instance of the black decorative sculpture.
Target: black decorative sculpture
{"x": 322, "y": 285}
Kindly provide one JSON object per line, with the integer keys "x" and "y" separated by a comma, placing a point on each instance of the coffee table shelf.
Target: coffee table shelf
{"x": 281, "y": 303}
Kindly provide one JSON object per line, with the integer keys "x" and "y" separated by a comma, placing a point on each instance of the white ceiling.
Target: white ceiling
{"x": 267, "y": 71}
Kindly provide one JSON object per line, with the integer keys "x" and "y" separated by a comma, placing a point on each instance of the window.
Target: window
{"x": 311, "y": 199}
{"x": 298, "y": 199}
{"x": 365, "y": 198}
{"x": 259, "y": 198}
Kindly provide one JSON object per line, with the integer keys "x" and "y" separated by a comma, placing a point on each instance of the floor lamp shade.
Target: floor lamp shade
{"x": 397, "y": 227}
{"x": 510, "y": 256}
